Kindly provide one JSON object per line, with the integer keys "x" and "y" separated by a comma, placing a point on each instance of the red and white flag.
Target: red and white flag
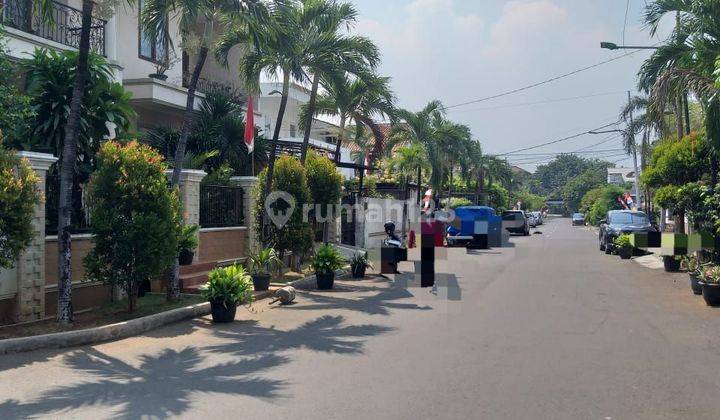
{"x": 250, "y": 126}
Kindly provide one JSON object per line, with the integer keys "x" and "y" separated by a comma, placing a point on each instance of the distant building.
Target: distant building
{"x": 620, "y": 176}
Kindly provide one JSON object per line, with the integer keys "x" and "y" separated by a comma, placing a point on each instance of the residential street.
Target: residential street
{"x": 548, "y": 329}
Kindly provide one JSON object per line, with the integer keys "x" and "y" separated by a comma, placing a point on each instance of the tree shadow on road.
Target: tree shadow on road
{"x": 377, "y": 304}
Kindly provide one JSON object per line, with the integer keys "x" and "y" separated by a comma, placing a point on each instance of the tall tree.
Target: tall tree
{"x": 330, "y": 52}
{"x": 198, "y": 25}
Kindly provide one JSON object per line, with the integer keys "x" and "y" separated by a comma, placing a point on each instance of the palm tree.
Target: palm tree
{"x": 409, "y": 161}
{"x": 441, "y": 138}
{"x": 359, "y": 100}
{"x": 330, "y": 53}
{"x": 197, "y": 25}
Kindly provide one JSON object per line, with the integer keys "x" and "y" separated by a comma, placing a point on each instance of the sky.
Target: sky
{"x": 460, "y": 50}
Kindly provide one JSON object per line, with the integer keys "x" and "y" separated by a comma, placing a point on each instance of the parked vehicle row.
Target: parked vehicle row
{"x": 618, "y": 222}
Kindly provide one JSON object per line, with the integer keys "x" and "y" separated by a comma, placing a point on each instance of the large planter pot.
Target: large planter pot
{"x": 695, "y": 284}
{"x": 358, "y": 271}
{"x": 672, "y": 264}
{"x": 222, "y": 313}
{"x": 325, "y": 281}
{"x": 261, "y": 282}
{"x": 625, "y": 253}
{"x": 162, "y": 77}
{"x": 711, "y": 294}
{"x": 186, "y": 257}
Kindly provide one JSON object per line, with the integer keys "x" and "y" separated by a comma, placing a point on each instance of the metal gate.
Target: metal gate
{"x": 348, "y": 221}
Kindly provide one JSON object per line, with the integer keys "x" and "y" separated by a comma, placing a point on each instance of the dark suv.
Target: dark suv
{"x": 618, "y": 222}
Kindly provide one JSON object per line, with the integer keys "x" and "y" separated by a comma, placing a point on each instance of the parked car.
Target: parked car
{"x": 515, "y": 221}
{"x": 532, "y": 220}
{"x": 578, "y": 219}
{"x": 538, "y": 217}
{"x": 618, "y": 222}
{"x": 463, "y": 234}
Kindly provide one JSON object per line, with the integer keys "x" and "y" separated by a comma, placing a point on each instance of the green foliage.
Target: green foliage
{"x": 50, "y": 79}
{"x": 676, "y": 162}
{"x": 529, "y": 200}
{"x": 18, "y": 197}
{"x": 360, "y": 259}
{"x": 553, "y": 176}
{"x": 497, "y": 197}
{"x": 327, "y": 259}
{"x": 599, "y": 201}
{"x": 188, "y": 238}
{"x": 456, "y": 202}
{"x": 667, "y": 197}
{"x": 264, "y": 261}
{"x": 577, "y": 187}
{"x": 219, "y": 176}
{"x": 135, "y": 216}
{"x": 710, "y": 274}
{"x": 324, "y": 181}
{"x": 15, "y": 110}
{"x": 623, "y": 241}
{"x": 230, "y": 286}
{"x": 296, "y": 235}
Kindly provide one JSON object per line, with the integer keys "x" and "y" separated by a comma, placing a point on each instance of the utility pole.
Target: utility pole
{"x": 631, "y": 136}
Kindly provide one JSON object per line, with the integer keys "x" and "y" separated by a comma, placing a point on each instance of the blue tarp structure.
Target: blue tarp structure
{"x": 468, "y": 223}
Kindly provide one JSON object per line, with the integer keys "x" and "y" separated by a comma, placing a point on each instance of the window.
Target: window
{"x": 150, "y": 49}
{"x": 293, "y": 130}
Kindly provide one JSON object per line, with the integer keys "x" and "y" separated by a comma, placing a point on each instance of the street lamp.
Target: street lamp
{"x": 613, "y": 46}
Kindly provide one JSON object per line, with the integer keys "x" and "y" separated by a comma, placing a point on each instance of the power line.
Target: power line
{"x": 627, "y": 9}
{"x": 552, "y": 79}
{"x": 549, "y": 101}
{"x": 607, "y": 139}
{"x": 558, "y": 140}
{"x": 566, "y": 153}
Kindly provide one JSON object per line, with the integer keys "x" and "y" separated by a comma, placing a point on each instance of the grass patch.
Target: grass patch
{"x": 108, "y": 313}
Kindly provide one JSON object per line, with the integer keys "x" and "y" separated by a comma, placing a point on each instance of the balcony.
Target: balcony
{"x": 64, "y": 29}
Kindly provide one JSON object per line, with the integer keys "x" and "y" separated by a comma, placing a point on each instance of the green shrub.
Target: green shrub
{"x": 456, "y": 202}
{"x": 264, "y": 261}
{"x": 603, "y": 200}
{"x": 230, "y": 286}
{"x": 15, "y": 110}
{"x": 135, "y": 217}
{"x": 296, "y": 235}
{"x": 360, "y": 259}
{"x": 623, "y": 241}
{"x": 18, "y": 197}
{"x": 188, "y": 238}
{"x": 327, "y": 260}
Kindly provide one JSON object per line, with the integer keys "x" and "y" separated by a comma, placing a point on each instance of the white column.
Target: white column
{"x": 248, "y": 184}
{"x": 190, "y": 198}
{"x": 30, "y": 266}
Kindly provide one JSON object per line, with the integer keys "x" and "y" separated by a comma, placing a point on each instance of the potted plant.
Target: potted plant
{"x": 671, "y": 263}
{"x": 261, "y": 265}
{"x": 693, "y": 267}
{"x": 187, "y": 243}
{"x": 227, "y": 288}
{"x": 711, "y": 285}
{"x": 327, "y": 260}
{"x": 160, "y": 68}
{"x": 358, "y": 264}
{"x": 624, "y": 246}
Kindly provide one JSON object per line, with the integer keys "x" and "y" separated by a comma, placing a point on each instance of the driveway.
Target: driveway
{"x": 550, "y": 328}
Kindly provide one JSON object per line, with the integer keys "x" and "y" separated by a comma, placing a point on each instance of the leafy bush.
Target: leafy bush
{"x": 667, "y": 197}
{"x": 136, "y": 218}
{"x": 529, "y": 200}
{"x": 360, "y": 260}
{"x": 15, "y": 110}
{"x": 325, "y": 183}
{"x": 264, "y": 261}
{"x": 327, "y": 260}
{"x": 296, "y": 235}
{"x": 456, "y": 202}
{"x": 600, "y": 202}
{"x": 677, "y": 162}
{"x": 188, "y": 238}
{"x": 230, "y": 286}
{"x": 18, "y": 197}
{"x": 623, "y": 242}
{"x": 497, "y": 197}
{"x": 710, "y": 274}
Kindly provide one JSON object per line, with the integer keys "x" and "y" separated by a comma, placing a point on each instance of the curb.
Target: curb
{"x": 108, "y": 332}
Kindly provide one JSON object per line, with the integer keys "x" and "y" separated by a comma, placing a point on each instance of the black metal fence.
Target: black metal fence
{"x": 64, "y": 27}
{"x": 80, "y": 222}
{"x": 221, "y": 206}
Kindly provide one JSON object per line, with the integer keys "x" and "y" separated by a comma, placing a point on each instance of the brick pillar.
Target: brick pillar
{"x": 190, "y": 198}
{"x": 248, "y": 183}
{"x": 30, "y": 267}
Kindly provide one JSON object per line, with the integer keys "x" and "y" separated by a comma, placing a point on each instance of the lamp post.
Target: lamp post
{"x": 613, "y": 46}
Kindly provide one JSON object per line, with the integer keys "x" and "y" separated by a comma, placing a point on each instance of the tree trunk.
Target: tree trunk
{"x": 273, "y": 148}
{"x": 132, "y": 296}
{"x": 341, "y": 138}
{"x": 419, "y": 185}
{"x": 686, "y": 107}
{"x": 679, "y": 117}
{"x": 67, "y": 171}
{"x": 173, "y": 288}
{"x": 311, "y": 113}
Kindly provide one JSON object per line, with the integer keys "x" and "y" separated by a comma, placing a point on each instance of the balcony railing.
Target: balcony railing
{"x": 64, "y": 27}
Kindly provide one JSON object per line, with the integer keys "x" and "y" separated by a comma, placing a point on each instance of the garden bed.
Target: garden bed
{"x": 109, "y": 313}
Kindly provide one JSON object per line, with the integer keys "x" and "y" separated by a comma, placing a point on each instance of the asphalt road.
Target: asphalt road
{"x": 548, "y": 329}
